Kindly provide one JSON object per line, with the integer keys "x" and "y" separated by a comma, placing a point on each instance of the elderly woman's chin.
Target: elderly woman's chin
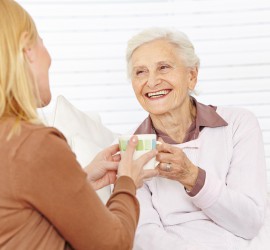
{"x": 156, "y": 109}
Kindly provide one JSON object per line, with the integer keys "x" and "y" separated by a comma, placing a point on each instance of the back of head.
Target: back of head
{"x": 173, "y": 36}
{"x": 18, "y": 92}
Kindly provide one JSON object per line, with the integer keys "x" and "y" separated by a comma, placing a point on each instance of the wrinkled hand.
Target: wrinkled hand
{"x": 134, "y": 168}
{"x": 180, "y": 168}
{"x": 103, "y": 168}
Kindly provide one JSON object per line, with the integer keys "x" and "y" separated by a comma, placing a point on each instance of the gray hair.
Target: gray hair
{"x": 175, "y": 37}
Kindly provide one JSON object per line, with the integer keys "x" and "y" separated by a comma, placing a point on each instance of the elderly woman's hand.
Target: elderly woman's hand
{"x": 175, "y": 165}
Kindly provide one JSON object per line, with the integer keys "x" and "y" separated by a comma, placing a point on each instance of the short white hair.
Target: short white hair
{"x": 173, "y": 36}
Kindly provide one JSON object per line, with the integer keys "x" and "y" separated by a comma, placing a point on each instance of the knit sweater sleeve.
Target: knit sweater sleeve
{"x": 238, "y": 204}
{"x": 51, "y": 181}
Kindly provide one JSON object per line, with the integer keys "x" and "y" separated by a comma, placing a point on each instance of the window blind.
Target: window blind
{"x": 87, "y": 41}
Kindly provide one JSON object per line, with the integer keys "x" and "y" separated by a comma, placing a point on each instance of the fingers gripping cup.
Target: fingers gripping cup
{"x": 146, "y": 142}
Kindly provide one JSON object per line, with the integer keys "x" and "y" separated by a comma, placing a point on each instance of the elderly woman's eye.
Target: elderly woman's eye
{"x": 163, "y": 67}
{"x": 139, "y": 72}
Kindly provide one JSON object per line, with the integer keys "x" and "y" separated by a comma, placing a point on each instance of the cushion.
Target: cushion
{"x": 85, "y": 134}
{"x": 71, "y": 122}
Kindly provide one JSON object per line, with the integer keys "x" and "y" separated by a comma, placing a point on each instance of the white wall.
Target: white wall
{"x": 87, "y": 41}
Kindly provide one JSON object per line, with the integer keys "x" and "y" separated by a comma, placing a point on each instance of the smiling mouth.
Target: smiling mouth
{"x": 158, "y": 94}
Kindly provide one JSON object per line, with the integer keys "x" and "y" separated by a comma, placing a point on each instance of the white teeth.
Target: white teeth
{"x": 158, "y": 93}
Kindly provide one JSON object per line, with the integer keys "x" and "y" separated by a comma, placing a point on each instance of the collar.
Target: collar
{"x": 206, "y": 116}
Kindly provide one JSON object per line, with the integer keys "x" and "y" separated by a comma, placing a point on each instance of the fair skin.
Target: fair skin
{"x": 107, "y": 165}
{"x": 40, "y": 61}
{"x": 161, "y": 82}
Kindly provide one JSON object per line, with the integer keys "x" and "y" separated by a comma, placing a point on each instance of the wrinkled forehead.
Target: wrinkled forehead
{"x": 155, "y": 52}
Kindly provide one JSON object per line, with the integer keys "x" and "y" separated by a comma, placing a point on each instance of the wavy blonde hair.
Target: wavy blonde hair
{"x": 18, "y": 90}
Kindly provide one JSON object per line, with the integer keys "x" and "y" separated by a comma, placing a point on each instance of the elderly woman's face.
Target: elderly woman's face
{"x": 160, "y": 78}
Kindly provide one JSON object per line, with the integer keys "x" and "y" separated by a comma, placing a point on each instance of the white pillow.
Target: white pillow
{"x": 85, "y": 134}
{"x": 71, "y": 122}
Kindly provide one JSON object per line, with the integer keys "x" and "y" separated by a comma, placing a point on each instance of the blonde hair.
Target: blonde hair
{"x": 18, "y": 89}
{"x": 175, "y": 37}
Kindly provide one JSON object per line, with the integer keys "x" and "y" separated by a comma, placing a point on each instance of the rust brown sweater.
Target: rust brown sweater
{"x": 46, "y": 201}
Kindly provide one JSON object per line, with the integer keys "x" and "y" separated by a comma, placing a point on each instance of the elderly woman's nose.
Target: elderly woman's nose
{"x": 153, "y": 80}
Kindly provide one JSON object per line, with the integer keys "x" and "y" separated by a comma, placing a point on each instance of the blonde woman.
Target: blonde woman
{"x": 46, "y": 200}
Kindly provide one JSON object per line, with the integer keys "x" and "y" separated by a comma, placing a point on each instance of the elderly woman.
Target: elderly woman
{"x": 211, "y": 189}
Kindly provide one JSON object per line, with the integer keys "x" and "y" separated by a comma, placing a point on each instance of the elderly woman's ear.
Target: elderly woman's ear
{"x": 193, "y": 73}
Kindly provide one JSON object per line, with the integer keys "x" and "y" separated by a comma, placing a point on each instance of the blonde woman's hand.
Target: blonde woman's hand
{"x": 175, "y": 165}
{"x": 103, "y": 168}
{"x": 134, "y": 168}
